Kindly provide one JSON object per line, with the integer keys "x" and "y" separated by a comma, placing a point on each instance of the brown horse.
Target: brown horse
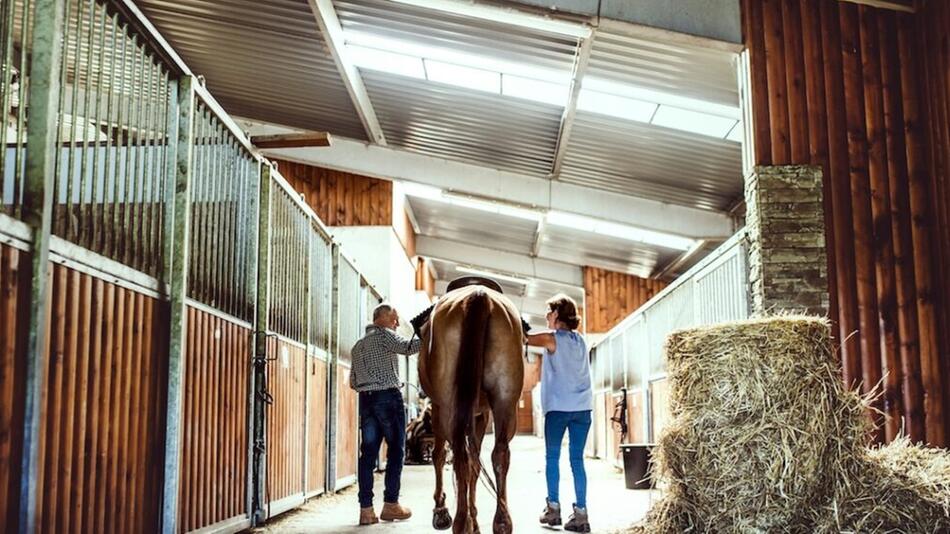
{"x": 471, "y": 367}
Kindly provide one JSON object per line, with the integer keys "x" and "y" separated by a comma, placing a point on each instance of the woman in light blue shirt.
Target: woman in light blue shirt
{"x": 567, "y": 400}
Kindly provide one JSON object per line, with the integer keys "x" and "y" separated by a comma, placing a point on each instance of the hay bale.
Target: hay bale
{"x": 764, "y": 437}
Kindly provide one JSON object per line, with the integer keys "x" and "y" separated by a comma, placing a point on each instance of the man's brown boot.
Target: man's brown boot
{"x": 394, "y": 511}
{"x": 368, "y": 516}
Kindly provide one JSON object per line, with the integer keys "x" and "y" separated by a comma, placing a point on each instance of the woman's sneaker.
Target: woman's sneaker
{"x": 552, "y": 514}
{"x": 578, "y": 521}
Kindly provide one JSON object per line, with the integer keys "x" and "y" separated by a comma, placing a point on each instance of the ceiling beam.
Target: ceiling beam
{"x": 395, "y": 164}
{"x": 502, "y": 262}
{"x": 332, "y": 31}
{"x": 291, "y": 140}
{"x": 570, "y": 109}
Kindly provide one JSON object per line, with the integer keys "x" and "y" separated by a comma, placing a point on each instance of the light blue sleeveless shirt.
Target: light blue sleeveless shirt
{"x": 565, "y": 375}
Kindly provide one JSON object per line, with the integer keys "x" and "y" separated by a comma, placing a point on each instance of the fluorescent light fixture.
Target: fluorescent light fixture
{"x": 504, "y": 16}
{"x": 455, "y": 57}
{"x": 467, "y": 77}
{"x": 615, "y": 106}
{"x": 621, "y": 231}
{"x": 650, "y": 95}
{"x": 455, "y": 199}
{"x": 494, "y": 276}
{"x": 381, "y": 60}
{"x": 537, "y": 90}
{"x": 737, "y": 133}
{"x": 693, "y": 121}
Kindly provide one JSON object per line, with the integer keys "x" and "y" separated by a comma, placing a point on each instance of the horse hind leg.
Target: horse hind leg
{"x": 481, "y": 426}
{"x": 501, "y": 459}
{"x": 441, "y": 518}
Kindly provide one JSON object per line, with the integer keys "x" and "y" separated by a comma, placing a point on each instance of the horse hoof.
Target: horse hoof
{"x": 502, "y": 526}
{"x": 441, "y": 519}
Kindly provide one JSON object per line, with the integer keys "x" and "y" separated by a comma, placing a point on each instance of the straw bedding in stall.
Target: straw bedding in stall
{"x": 766, "y": 438}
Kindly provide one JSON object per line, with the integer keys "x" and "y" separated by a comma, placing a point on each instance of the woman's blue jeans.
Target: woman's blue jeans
{"x": 577, "y": 425}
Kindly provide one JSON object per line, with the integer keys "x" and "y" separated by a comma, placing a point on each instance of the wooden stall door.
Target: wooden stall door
{"x": 214, "y": 445}
{"x": 347, "y": 431}
{"x": 525, "y": 414}
{"x": 660, "y": 406}
{"x": 104, "y": 419}
{"x": 316, "y": 425}
{"x": 635, "y": 417}
{"x": 286, "y": 376}
{"x": 12, "y": 378}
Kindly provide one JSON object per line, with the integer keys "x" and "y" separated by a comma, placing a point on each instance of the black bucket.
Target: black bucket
{"x": 636, "y": 465}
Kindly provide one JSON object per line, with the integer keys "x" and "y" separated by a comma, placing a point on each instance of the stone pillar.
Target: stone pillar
{"x": 788, "y": 269}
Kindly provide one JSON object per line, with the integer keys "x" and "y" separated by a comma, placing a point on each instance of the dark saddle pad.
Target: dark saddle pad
{"x": 474, "y": 281}
{"x": 419, "y": 320}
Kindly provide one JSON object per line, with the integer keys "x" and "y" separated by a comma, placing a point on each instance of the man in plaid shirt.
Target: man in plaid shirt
{"x": 375, "y": 376}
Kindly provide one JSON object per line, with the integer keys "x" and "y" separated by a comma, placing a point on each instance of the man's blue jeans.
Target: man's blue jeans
{"x": 382, "y": 416}
{"x": 577, "y": 425}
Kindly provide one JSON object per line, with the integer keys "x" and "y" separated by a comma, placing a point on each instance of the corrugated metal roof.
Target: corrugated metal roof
{"x": 470, "y": 35}
{"x": 261, "y": 60}
{"x": 473, "y": 126}
{"x": 497, "y": 131}
{"x": 653, "y": 162}
{"x": 472, "y": 226}
{"x": 703, "y": 73}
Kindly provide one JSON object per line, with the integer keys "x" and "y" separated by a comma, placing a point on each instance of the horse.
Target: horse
{"x": 471, "y": 366}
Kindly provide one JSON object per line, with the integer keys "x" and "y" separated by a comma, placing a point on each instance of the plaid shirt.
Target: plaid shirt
{"x": 375, "y": 364}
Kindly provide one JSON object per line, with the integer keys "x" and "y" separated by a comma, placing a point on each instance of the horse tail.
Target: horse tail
{"x": 468, "y": 374}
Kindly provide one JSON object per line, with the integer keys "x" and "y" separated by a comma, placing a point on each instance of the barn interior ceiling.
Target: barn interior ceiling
{"x": 567, "y": 140}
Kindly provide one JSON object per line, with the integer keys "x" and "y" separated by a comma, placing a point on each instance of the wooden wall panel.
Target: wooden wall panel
{"x": 424, "y": 279}
{"x": 612, "y": 296}
{"x": 635, "y": 417}
{"x": 14, "y": 291}
{"x": 341, "y": 198}
{"x": 214, "y": 421}
{"x": 104, "y": 419}
{"x": 660, "y": 406}
{"x": 316, "y": 425}
{"x": 286, "y": 377}
{"x": 867, "y": 88}
{"x": 347, "y": 431}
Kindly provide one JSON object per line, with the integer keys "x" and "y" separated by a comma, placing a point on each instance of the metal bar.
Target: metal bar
{"x": 108, "y": 165}
{"x": 76, "y": 39}
{"x": 230, "y": 235}
{"x": 7, "y": 17}
{"x": 148, "y": 168}
{"x": 129, "y": 239}
{"x": 334, "y": 348}
{"x": 171, "y": 170}
{"x": 260, "y": 345}
{"x": 216, "y": 180}
{"x": 37, "y": 213}
{"x": 29, "y": 32}
{"x": 253, "y": 170}
{"x": 138, "y": 148}
{"x": 97, "y": 206}
{"x": 84, "y": 157}
{"x": 178, "y": 329}
{"x": 117, "y": 133}
{"x": 570, "y": 109}
{"x": 58, "y": 183}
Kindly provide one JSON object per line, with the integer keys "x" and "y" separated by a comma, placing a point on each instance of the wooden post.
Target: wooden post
{"x": 912, "y": 396}
{"x": 261, "y": 395}
{"x": 37, "y": 213}
{"x": 921, "y": 230}
{"x": 178, "y": 276}
{"x": 332, "y": 363}
{"x": 881, "y": 219}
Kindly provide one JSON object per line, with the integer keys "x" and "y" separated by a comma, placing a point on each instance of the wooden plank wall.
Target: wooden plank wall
{"x": 104, "y": 420}
{"x": 612, "y": 296}
{"x": 316, "y": 425}
{"x": 424, "y": 279}
{"x": 844, "y": 86}
{"x": 14, "y": 296}
{"x": 214, "y": 446}
{"x": 341, "y": 198}
{"x": 286, "y": 380}
{"x": 934, "y": 31}
{"x": 347, "y": 434}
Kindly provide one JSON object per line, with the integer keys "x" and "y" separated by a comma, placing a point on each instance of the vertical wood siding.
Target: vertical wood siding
{"x": 612, "y": 296}
{"x": 214, "y": 421}
{"x": 341, "y": 198}
{"x": 347, "y": 434}
{"x": 14, "y": 293}
{"x": 845, "y": 87}
{"x": 286, "y": 380}
{"x": 104, "y": 417}
{"x": 316, "y": 425}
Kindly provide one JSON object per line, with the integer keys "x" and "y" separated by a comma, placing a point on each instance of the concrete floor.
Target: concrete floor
{"x": 612, "y": 507}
